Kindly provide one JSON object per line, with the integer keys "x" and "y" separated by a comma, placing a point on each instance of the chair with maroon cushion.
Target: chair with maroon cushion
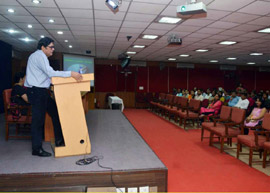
{"x": 161, "y": 101}
{"x": 228, "y": 130}
{"x": 10, "y": 119}
{"x": 173, "y": 105}
{"x": 254, "y": 142}
{"x": 166, "y": 105}
{"x": 174, "y": 110}
{"x": 224, "y": 117}
{"x": 190, "y": 113}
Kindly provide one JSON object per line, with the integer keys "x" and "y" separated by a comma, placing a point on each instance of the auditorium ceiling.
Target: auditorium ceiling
{"x": 91, "y": 25}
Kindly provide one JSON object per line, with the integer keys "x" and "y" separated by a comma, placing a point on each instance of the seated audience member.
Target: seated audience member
{"x": 268, "y": 94}
{"x": 251, "y": 104}
{"x": 207, "y": 94}
{"x": 233, "y": 100}
{"x": 199, "y": 95}
{"x": 213, "y": 108}
{"x": 179, "y": 92}
{"x": 253, "y": 95}
{"x": 266, "y": 100}
{"x": 213, "y": 94}
{"x": 18, "y": 93}
{"x": 174, "y": 91}
{"x": 256, "y": 116}
{"x": 195, "y": 90}
{"x": 186, "y": 94}
{"x": 240, "y": 88}
{"x": 242, "y": 102}
{"x": 192, "y": 95}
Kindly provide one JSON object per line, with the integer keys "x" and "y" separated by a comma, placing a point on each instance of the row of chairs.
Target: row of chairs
{"x": 179, "y": 108}
{"x": 230, "y": 124}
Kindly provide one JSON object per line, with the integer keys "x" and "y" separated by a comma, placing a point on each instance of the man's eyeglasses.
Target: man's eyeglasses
{"x": 52, "y": 47}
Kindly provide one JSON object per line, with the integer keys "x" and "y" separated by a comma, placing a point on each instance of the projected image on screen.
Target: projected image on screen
{"x": 82, "y": 64}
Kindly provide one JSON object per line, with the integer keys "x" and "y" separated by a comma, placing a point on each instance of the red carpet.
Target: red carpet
{"x": 192, "y": 165}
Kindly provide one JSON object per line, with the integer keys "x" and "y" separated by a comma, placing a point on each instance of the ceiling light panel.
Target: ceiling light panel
{"x": 227, "y": 42}
{"x": 169, "y": 20}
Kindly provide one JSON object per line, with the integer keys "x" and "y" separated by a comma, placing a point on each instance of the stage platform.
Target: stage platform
{"x": 112, "y": 137}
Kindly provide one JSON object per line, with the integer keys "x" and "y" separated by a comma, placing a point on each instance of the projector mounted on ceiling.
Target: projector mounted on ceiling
{"x": 192, "y": 8}
{"x": 174, "y": 40}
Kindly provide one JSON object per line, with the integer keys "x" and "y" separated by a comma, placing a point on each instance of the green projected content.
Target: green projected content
{"x": 77, "y": 63}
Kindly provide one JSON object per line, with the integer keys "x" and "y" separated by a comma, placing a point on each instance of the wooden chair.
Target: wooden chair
{"x": 167, "y": 105}
{"x": 228, "y": 130}
{"x": 224, "y": 117}
{"x": 182, "y": 103}
{"x": 254, "y": 142}
{"x": 10, "y": 119}
{"x": 190, "y": 113}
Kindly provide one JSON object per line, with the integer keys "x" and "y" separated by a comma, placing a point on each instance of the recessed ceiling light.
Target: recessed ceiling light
{"x": 36, "y": 1}
{"x": 26, "y": 39}
{"x": 51, "y": 20}
{"x": 227, "y": 42}
{"x": 170, "y": 20}
{"x": 266, "y": 30}
{"x": 231, "y": 58}
{"x": 201, "y": 50}
{"x": 138, "y": 46}
{"x": 251, "y": 63}
{"x": 171, "y": 59}
{"x": 256, "y": 54}
{"x": 213, "y": 61}
{"x": 151, "y": 37}
{"x": 11, "y": 31}
{"x": 29, "y": 26}
{"x": 129, "y": 52}
{"x": 42, "y": 36}
{"x": 184, "y": 55}
{"x": 11, "y": 10}
{"x": 70, "y": 46}
{"x": 66, "y": 40}
{"x": 60, "y": 32}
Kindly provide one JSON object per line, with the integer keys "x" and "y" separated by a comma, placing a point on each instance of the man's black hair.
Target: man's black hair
{"x": 18, "y": 76}
{"x": 44, "y": 42}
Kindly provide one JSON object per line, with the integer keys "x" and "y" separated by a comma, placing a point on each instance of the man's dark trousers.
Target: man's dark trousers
{"x": 41, "y": 103}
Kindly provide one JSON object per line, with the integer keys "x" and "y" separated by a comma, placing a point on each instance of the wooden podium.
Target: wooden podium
{"x": 67, "y": 92}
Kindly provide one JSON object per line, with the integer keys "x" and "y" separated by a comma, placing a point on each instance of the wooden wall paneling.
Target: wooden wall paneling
{"x": 128, "y": 98}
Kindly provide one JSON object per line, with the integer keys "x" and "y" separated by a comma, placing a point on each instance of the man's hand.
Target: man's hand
{"x": 77, "y": 76}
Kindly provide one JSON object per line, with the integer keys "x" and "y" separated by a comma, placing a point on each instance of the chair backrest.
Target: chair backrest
{"x": 6, "y": 98}
{"x": 225, "y": 112}
{"x": 179, "y": 99}
{"x": 170, "y": 98}
{"x": 184, "y": 102}
{"x": 175, "y": 99}
{"x": 162, "y": 96}
{"x": 195, "y": 104}
{"x": 205, "y": 103}
{"x": 266, "y": 121}
{"x": 238, "y": 115}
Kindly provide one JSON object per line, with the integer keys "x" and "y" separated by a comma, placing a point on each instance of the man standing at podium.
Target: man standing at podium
{"x": 38, "y": 80}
